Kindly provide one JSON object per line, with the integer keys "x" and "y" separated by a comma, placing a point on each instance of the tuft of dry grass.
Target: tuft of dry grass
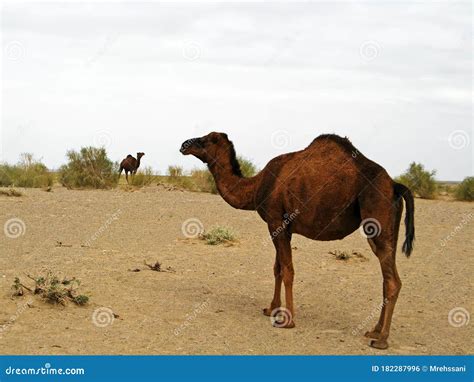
{"x": 218, "y": 235}
{"x": 11, "y": 192}
{"x": 143, "y": 177}
{"x": 157, "y": 267}
{"x": 154, "y": 267}
{"x": 344, "y": 255}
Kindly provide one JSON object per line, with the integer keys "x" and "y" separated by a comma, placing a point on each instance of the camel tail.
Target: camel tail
{"x": 407, "y": 195}
{"x": 120, "y": 170}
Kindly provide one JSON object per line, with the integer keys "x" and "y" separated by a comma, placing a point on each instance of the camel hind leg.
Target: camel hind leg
{"x": 398, "y": 205}
{"x": 381, "y": 215}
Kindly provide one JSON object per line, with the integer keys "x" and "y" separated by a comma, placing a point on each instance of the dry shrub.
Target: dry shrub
{"x": 52, "y": 289}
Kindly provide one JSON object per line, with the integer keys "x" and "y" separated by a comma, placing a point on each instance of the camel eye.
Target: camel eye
{"x": 215, "y": 139}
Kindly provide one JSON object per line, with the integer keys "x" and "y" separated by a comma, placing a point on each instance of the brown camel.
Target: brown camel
{"x": 130, "y": 165}
{"x": 324, "y": 192}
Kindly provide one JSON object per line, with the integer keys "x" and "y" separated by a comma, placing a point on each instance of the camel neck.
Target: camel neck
{"x": 236, "y": 190}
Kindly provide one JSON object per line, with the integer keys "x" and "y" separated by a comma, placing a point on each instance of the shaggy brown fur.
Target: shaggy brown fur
{"x": 130, "y": 164}
{"x": 324, "y": 192}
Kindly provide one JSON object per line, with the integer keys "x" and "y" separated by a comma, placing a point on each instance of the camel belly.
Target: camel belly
{"x": 328, "y": 225}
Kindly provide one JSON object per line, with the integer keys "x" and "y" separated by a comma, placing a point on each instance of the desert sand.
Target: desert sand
{"x": 211, "y": 301}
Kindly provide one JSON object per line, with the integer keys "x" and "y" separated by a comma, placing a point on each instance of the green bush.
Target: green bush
{"x": 28, "y": 172}
{"x": 143, "y": 177}
{"x": 89, "y": 168}
{"x": 419, "y": 181}
{"x": 465, "y": 190}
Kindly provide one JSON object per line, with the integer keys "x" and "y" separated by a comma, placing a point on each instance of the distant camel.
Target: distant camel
{"x": 130, "y": 164}
{"x": 324, "y": 192}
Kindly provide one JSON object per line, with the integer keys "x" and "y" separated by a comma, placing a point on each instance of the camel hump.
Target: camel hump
{"x": 129, "y": 156}
{"x": 343, "y": 142}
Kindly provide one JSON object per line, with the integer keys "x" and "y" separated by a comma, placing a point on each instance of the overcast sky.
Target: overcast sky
{"x": 395, "y": 77}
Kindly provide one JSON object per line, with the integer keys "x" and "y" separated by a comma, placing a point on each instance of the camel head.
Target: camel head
{"x": 139, "y": 155}
{"x": 207, "y": 148}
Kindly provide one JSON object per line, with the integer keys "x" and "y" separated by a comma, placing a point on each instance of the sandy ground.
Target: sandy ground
{"x": 212, "y": 303}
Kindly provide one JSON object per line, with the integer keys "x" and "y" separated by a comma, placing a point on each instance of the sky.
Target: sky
{"x": 394, "y": 77}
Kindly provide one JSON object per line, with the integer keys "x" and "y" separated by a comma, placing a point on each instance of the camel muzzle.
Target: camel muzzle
{"x": 190, "y": 143}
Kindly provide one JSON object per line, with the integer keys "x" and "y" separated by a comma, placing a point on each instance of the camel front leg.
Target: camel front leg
{"x": 283, "y": 271}
{"x": 276, "y": 302}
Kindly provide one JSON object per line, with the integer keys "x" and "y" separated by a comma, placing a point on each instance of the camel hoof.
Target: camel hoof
{"x": 267, "y": 311}
{"x": 372, "y": 334}
{"x": 379, "y": 344}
